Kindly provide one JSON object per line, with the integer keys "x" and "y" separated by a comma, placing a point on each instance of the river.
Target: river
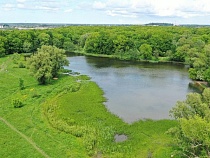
{"x": 135, "y": 90}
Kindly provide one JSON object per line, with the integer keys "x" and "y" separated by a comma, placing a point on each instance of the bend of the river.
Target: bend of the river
{"x": 135, "y": 90}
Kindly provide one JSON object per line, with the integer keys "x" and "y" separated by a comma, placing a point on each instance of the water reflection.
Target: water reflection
{"x": 136, "y": 90}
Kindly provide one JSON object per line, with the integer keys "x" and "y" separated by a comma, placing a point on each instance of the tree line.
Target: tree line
{"x": 180, "y": 44}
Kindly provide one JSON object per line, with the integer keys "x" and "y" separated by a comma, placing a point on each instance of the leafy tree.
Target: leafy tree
{"x": 122, "y": 44}
{"x": 15, "y": 45}
{"x": 57, "y": 57}
{"x": 83, "y": 39}
{"x": 91, "y": 43}
{"x": 2, "y": 46}
{"x": 58, "y": 40}
{"x": 43, "y": 39}
{"x": 46, "y": 63}
{"x": 192, "y": 135}
{"x": 200, "y": 62}
{"x": 146, "y": 51}
{"x": 16, "y": 58}
{"x": 40, "y": 66}
{"x": 27, "y": 47}
{"x": 181, "y": 53}
{"x": 69, "y": 46}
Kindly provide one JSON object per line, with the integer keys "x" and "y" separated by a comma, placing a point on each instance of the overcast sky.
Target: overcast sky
{"x": 105, "y": 11}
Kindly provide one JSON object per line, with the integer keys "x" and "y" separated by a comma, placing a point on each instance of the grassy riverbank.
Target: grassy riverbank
{"x": 67, "y": 118}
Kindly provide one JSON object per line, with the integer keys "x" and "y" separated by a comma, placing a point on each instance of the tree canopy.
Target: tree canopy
{"x": 189, "y": 45}
{"x": 192, "y": 135}
{"x": 46, "y": 63}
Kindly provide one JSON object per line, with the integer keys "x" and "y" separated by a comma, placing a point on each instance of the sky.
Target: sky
{"x": 105, "y": 11}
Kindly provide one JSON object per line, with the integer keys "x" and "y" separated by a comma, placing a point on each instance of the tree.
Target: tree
{"x": 46, "y": 63}
{"x": 146, "y": 51}
{"x": 91, "y": 43}
{"x": 2, "y": 46}
{"x": 27, "y": 47}
{"x": 69, "y": 46}
{"x": 58, "y": 40}
{"x": 200, "y": 63}
{"x": 58, "y": 58}
{"x": 43, "y": 39}
{"x": 192, "y": 135}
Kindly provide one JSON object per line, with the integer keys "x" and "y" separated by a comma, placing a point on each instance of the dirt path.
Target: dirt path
{"x": 25, "y": 137}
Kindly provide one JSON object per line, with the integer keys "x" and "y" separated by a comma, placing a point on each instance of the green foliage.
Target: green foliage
{"x": 17, "y": 103}
{"x": 21, "y": 84}
{"x": 46, "y": 63}
{"x": 2, "y": 46}
{"x": 146, "y": 51}
{"x": 43, "y": 39}
{"x": 192, "y": 135}
{"x": 40, "y": 66}
{"x": 66, "y": 123}
{"x": 57, "y": 58}
{"x": 69, "y": 46}
{"x": 180, "y": 44}
{"x": 21, "y": 65}
{"x": 16, "y": 57}
{"x": 27, "y": 47}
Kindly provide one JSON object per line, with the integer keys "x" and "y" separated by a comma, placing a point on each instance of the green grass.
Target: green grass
{"x": 13, "y": 145}
{"x": 67, "y": 118}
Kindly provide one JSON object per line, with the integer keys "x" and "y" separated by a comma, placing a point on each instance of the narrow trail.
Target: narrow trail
{"x": 25, "y": 137}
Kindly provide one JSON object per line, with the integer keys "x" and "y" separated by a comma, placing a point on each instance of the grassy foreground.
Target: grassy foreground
{"x": 67, "y": 118}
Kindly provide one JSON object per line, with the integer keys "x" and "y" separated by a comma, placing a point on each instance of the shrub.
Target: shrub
{"x": 17, "y": 103}
{"x": 16, "y": 58}
{"x": 21, "y": 84}
{"x": 21, "y": 65}
{"x": 35, "y": 95}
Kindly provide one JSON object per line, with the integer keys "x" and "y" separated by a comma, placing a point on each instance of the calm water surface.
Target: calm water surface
{"x": 135, "y": 90}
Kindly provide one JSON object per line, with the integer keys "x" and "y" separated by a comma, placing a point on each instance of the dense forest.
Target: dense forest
{"x": 156, "y": 43}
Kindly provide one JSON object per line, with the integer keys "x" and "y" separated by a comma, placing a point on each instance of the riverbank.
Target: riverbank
{"x": 67, "y": 118}
{"x": 159, "y": 60}
{"x": 199, "y": 85}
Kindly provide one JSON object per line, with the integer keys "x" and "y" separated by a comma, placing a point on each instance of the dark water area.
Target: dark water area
{"x": 136, "y": 90}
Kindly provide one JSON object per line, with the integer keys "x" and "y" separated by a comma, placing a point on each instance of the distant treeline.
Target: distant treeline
{"x": 172, "y": 43}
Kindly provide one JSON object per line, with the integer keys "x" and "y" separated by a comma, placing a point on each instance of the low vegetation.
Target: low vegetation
{"x": 67, "y": 118}
{"x": 192, "y": 135}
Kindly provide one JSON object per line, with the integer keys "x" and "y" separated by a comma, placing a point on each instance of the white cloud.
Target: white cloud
{"x": 160, "y": 8}
{"x": 21, "y": 1}
{"x": 20, "y": 5}
{"x": 68, "y": 11}
{"x": 44, "y": 5}
{"x": 8, "y": 6}
{"x": 121, "y": 12}
{"x": 99, "y": 5}
{"x": 46, "y": 8}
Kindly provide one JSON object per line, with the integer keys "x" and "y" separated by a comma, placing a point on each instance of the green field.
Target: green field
{"x": 67, "y": 118}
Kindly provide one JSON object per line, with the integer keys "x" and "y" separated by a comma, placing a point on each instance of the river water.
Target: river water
{"x": 135, "y": 90}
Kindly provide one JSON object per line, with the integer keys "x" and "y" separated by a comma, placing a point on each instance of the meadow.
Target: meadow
{"x": 67, "y": 118}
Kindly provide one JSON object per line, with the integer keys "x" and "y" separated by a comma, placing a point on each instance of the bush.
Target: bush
{"x": 21, "y": 65}
{"x": 21, "y": 84}
{"x": 17, "y": 103}
{"x": 65, "y": 71}
{"x": 2, "y": 54}
{"x": 35, "y": 95}
{"x": 16, "y": 58}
